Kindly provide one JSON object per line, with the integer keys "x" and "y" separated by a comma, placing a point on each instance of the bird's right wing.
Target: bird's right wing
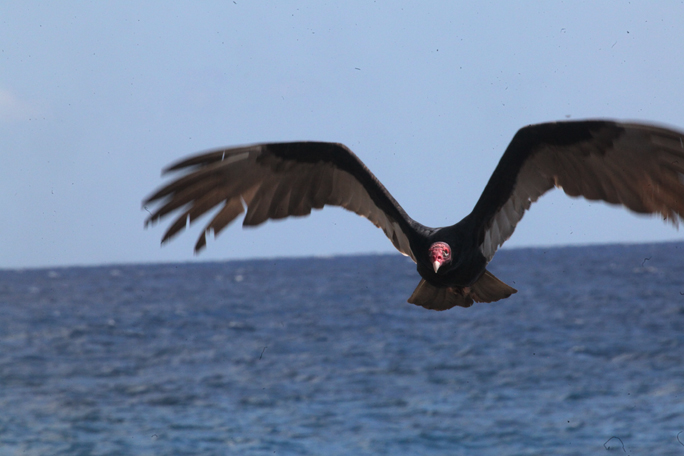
{"x": 638, "y": 166}
{"x": 275, "y": 181}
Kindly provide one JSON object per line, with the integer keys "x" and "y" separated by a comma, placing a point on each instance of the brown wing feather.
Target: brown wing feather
{"x": 638, "y": 166}
{"x": 276, "y": 181}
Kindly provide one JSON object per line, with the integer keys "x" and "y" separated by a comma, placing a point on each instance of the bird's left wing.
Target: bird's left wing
{"x": 275, "y": 181}
{"x": 638, "y": 166}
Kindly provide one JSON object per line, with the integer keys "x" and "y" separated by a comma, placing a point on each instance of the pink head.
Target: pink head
{"x": 440, "y": 253}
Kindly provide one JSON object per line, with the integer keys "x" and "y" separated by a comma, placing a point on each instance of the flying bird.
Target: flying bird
{"x": 635, "y": 165}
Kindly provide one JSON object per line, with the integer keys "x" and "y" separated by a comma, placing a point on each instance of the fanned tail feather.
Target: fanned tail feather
{"x": 489, "y": 289}
{"x": 436, "y": 298}
{"x": 486, "y": 289}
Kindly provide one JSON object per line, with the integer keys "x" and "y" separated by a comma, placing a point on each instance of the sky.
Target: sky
{"x": 97, "y": 97}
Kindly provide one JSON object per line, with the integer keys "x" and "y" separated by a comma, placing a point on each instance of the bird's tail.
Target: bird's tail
{"x": 489, "y": 289}
{"x": 486, "y": 289}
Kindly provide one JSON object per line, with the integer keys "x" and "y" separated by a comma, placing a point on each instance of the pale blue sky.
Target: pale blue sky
{"x": 96, "y": 97}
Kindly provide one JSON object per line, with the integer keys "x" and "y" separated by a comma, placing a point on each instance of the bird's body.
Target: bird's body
{"x": 636, "y": 165}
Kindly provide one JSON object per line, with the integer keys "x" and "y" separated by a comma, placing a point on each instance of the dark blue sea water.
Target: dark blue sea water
{"x": 323, "y": 356}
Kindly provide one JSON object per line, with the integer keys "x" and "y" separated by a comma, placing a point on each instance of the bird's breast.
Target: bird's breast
{"x": 455, "y": 277}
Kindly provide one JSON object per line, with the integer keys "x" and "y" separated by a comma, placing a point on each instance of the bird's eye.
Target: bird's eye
{"x": 446, "y": 254}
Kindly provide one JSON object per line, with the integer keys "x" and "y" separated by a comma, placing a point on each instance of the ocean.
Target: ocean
{"x": 324, "y": 356}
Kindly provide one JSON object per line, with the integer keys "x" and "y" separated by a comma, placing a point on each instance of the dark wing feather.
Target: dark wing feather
{"x": 275, "y": 181}
{"x": 638, "y": 166}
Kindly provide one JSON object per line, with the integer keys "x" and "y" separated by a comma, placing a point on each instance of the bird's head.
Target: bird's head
{"x": 440, "y": 254}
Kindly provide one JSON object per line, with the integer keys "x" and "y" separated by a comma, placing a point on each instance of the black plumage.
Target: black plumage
{"x": 635, "y": 165}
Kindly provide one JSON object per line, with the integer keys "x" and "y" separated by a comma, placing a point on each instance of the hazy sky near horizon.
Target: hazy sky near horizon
{"x": 97, "y": 97}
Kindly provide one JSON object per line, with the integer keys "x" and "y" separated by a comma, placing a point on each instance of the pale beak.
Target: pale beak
{"x": 436, "y": 265}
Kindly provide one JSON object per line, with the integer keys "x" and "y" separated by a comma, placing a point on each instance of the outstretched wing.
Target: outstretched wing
{"x": 275, "y": 181}
{"x": 638, "y": 166}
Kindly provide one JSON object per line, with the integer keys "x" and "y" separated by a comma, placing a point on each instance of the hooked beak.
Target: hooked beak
{"x": 439, "y": 254}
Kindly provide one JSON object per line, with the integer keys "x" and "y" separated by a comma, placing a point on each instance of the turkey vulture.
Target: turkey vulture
{"x": 638, "y": 166}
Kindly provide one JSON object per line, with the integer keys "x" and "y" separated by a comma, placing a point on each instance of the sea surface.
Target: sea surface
{"x": 323, "y": 356}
